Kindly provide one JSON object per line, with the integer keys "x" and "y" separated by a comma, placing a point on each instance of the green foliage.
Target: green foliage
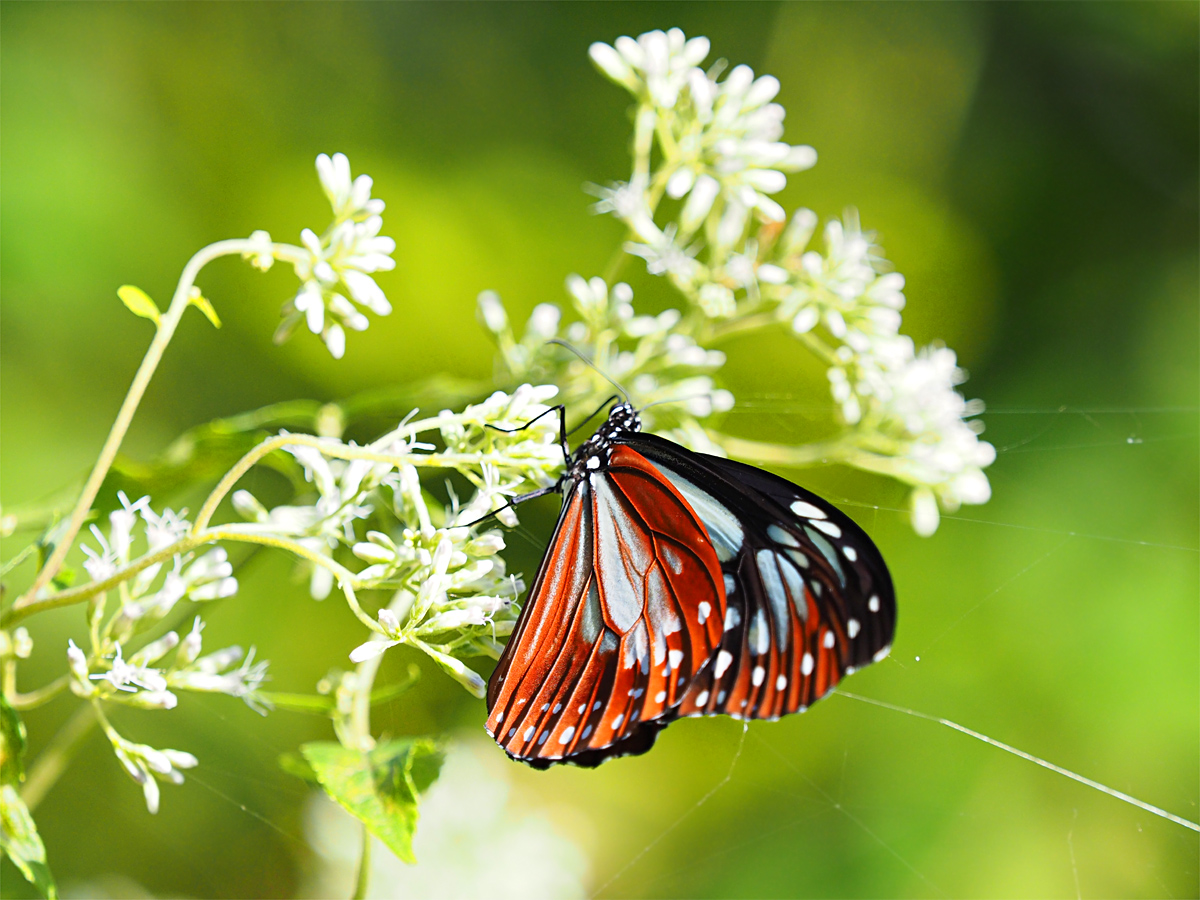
{"x": 381, "y": 787}
{"x": 21, "y": 843}
{"x": 12, "y": 745}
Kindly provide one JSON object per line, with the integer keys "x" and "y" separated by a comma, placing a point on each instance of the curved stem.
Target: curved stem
{"x": 183, "y": 545}
{"x": 52, "y": 761}
{"x": 42, "y": 695}
{"x": 162, "y": 337}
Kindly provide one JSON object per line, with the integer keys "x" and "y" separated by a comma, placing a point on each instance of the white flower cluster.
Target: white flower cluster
{"x": 719, "y": 141}
{"x": 147, "y": 680}
{"x": 719, "y": 150}
{"x": 449, "y": 592}
{"x": 900, "y": 402}
{"x": 650, "y": 356}
{"x": 335, "y": 267}
{"x": 209, "y": 577}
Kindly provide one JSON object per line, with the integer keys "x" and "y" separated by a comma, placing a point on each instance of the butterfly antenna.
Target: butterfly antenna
{"x": 594, "y": 367}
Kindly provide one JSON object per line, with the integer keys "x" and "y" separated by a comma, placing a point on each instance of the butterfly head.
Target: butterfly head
{"x": 594, "y": 452}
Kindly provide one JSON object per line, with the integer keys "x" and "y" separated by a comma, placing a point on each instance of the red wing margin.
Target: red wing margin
{"x": 626, "y": 609}
{"x": 808, "y": 596}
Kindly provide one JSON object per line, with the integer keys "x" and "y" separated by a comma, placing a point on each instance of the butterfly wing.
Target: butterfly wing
{"x": 808, "y": 596}
{"x": 626, "y": 609}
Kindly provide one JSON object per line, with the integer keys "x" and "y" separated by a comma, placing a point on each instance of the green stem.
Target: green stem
{"x": 183, "y": 545}
{"x": 52, "y": 761}
{"x": 162, "y": 337}
{"x": 363, "y": 880}
{"x": 41, "y": 695}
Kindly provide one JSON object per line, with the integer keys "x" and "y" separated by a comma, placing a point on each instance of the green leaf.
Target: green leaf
{"x": 295, "y": 764}
{"x": 21, "y": 843}
{"x": 12, "y": 745}
{"x": 203, "y": 304}
{"x": 138, "y": 303}
{"x": 379, "y": 788}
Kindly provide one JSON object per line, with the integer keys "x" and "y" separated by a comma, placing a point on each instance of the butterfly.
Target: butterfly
{"x": 681, "y": 584}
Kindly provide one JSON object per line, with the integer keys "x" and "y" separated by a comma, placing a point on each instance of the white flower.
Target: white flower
{"x": 665, "y": 257}
{"x": 335, "y": 269}
{"x": 146, "y": 765}
{"x": 261, "y": 252}
{"x": 100, "y": 565}
{"x": 126, "y": 676}
{"x": 211, "y": 674}
{"x": 911, "y": 398}
{"x": 728, "y": 143}
{"x": 657, "y": 65}
{"x": 164, "y": 530}
{"x": 350, "y": 199}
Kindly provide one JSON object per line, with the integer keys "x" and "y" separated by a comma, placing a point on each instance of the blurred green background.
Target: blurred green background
{"x": 1031, "y": 169}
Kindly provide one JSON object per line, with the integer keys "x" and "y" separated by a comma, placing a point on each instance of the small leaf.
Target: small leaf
{"x": 295, "y": 764}
{"x": 21, "y": 843}
{"x": 379, "y": 788}
{"x": 12, "y": 745}
{"x": 139, "y": 303}
{"x": 203, "y": 304}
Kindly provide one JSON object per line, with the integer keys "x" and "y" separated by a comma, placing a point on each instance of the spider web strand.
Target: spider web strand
{"x": 1104, "y": 789}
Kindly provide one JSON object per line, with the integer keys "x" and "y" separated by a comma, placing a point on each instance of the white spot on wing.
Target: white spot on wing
{"x": 499, "y": 717}
{"x": 733, "y": 618}
{"x": 512, "y": 731}
{"x": 702, "y": 698}
{"x": 528, "y": 733}
{"x": 582, "y": 707}
{"x": 829, "y": 528}
{"x": 674, "y": 658}
{"x": 587, "y": 731}
{"x": 806, "y": 664}
{"x": 807, "y": 510}
{"x": 780, "y": 682}
{"x": 618, "y": 720}
{"x": 758, "y": 675}
{"x": 882, "y": 653}
{"x": 782, "y": 536}
{"x": 542, "y": 737}
{"x": 702, "y": 611}
{"x": 594, "y": 462}
{"x": 566, "y": 736}
{"x": 851, "y": 553}
{"x": 828, "y": 641}
{"x": 660, "y": 696}
{"x": 724, "y": 658}
{"x": 852, "y": 628}
{"x": 873, "y": 604}
{"x": 760, "y": 635}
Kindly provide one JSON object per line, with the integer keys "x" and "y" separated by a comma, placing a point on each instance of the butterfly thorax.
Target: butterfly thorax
{"x": 594, "y": 453}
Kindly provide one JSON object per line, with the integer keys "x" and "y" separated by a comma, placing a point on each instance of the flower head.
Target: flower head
{"x": 657, "y": 65}
{"x": 335, "y": 267}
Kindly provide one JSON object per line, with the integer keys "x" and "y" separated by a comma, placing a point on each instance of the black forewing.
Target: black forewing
{"x": 809, "y": 598}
